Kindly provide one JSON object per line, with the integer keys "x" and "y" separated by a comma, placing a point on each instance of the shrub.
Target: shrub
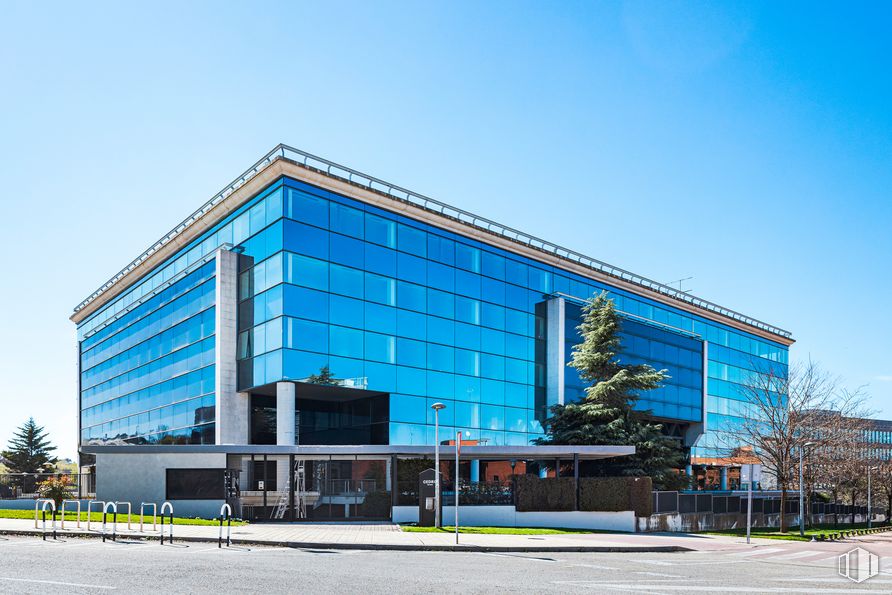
{"x": 616, "y": 494}
{"x": 549, "y": 494}
{"x": 56, "y": 488}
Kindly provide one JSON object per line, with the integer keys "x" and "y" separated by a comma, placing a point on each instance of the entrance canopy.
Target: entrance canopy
{"x": 584, "y": 453}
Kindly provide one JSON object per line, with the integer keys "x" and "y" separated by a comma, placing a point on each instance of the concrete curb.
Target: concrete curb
{"x": 397, "y": 547}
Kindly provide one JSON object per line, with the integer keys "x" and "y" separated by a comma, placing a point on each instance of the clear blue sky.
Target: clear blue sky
{"x": 745, "y": 145}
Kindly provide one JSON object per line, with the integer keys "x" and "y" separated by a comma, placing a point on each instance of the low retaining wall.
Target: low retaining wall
{"x": 508, "y": 516}
{"x": 20, "y": 504}
{"x": 707, "y": 521}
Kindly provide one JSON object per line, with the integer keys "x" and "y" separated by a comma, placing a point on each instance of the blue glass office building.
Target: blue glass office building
{"x": 311, "y": 304}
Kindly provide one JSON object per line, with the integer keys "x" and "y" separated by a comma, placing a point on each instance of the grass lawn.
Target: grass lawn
{"x": 496, "y": 530}
{"x": 96, "y": 517}
{"x": 792, "y": 533}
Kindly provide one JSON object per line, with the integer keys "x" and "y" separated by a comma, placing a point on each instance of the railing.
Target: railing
{"x": 667, "y": 502}
{"x": 401, "y": 194}
{"x": 24, "y": 486}
{"x": 476, "y": 493}
{"x": 350, "y": 486}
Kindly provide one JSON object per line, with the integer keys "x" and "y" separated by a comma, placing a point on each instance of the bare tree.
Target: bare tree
{"x": 784, "y": 412}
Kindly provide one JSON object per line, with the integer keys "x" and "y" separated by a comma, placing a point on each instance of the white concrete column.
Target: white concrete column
{"x": 555, "y": 351}
{"x": 285, "y": 413}
{"x": 232, "y": 407}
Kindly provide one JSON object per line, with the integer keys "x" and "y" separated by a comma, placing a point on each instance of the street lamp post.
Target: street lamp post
{"x": 436, "y": 407}
{"x": 869, "y": 499}
{"x": 801, "y": 491}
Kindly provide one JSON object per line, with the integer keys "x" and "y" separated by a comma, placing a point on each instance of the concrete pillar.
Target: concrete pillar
{"x": 555, "y": 351}
{"x": 723, "y": 478}
{"x": 232, "y": 408}
{"x": 285, "y": 403}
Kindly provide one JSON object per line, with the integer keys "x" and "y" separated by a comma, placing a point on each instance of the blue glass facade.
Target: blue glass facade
{"x": 389, "y": 304}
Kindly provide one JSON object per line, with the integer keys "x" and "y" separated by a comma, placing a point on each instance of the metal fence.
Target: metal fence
{"x": 680, "y": 502}
{"x": 24, "y": 486}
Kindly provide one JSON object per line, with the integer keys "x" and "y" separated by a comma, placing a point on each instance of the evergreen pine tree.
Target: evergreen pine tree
{"x": 29, "y": 451}
{"x": 323, "y": 377}
{"x": 606, "y": 414}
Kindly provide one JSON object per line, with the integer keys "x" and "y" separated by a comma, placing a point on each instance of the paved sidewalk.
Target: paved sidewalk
{"x": 387, "y": 536}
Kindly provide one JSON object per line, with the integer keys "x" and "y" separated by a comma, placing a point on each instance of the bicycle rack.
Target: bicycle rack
{"x": 90, "y": 509}
{"x": 114, "y": 507}
{"x": 167, "y": 506}
{"x": 142, "y": 510}
{"x": 37, "y": 504}
{"x": 43, "y": 512}
{"x": 128, "y": 511}
{"x": 62, "y": 512}
{"x": 228, "y": 511}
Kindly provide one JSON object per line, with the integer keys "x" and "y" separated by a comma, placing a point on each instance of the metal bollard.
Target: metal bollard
{"x": 169, "y": 507}
{"x": 114, "y": 508}
{"x": 226, "y": 511}
{"x": 43, "y": 512}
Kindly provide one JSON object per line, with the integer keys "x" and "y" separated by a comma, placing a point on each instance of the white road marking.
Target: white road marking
{"x": 756, "y": 552}
{"x": 795, "y": 555}
{"x": 59, "y": 583}
{"x": 660, "y": 574}
{"x": 656, "y": 562}
{"x": 638, "y": 588}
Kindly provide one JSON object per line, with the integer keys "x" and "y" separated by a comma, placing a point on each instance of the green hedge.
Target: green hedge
{"x": 535, "y": 494}
{"x": 616, "y": 493}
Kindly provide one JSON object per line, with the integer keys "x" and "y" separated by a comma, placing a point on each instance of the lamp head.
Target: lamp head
{"x": 437, "y": 406}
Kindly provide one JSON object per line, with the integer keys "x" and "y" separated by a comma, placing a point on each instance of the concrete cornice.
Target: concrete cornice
{"x": 282, "y": 166}
{"x": 220, "y": 211}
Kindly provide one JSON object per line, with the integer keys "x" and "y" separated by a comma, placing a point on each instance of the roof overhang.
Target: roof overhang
{"x": 549, "y": 453}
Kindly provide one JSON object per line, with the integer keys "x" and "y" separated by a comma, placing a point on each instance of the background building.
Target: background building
{"x": 308, "y": 304}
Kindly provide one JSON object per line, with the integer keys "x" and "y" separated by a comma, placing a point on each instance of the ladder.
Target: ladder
{"x": 300, "y": 490}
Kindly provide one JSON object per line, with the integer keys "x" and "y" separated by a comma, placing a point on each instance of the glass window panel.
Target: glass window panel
{"x": 440, "y": 276}
{"x": 380, "y": 230}
{"x": 411, "y": 353}
{"x": 516, "y": 273}
{"x": 467, "y": 257}
{"x": 493, "y": 265}
{"x": 346, "y": 311}
{"x": 305, "y": 239}
{"x": 441, "y": 249}
{"x": 307, "y": 208}
{"x": 346, "y": 342}
{"x": 306, "y": 271}
{"x": 411, "y": 268}
{"x": 381, "y": 260}
{"x": 467, "y": 283}
{"x": 411, "y": 296}
{"x": 467, "y": 362}
{"x": 347, "y": 281}
{"x": 346, "y": 220}
{"x": 379, "y": 318}
{"x": 467, "y": 310}
{"x": 348, "y": 251}
{"x": 380, "y": 348}
{"x": 411, "y": 325}
{"x": 440, "y": 303}
{"x": 307, "y": 335}
{"x": 440, "y": 357}
{"x": 411, "y": 240}
{"x": 306, "y": 303}
{"x": 440, "y": 330}
{"x": 380, "y": 289}
{"x": 493, "y": 316}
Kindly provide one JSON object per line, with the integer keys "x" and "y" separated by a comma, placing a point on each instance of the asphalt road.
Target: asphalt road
{"x": 28, "y": 565}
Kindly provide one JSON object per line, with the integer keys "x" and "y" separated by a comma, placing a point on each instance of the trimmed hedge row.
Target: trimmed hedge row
{"x": 549, "y": 494}
{"x": 616, "y": 493}
{"x": 595, "y": 494}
